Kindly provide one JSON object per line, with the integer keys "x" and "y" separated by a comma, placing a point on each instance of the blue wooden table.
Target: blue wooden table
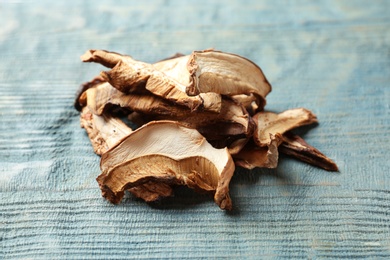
{"x": 332, "y": 57}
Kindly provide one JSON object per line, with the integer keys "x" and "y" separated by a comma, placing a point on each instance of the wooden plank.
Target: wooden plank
{"x": 328, "y": 56}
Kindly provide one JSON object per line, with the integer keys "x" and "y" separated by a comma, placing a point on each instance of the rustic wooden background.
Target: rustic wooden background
{"x": 332, "y": 57}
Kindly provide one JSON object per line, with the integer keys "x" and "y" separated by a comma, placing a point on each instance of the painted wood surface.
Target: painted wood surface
{"x": 332, "y": 57}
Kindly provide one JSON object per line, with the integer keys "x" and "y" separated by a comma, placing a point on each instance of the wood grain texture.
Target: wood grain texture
{"x": 332, "y": 57}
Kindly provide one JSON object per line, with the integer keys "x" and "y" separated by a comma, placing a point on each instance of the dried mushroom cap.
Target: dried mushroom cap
{"x": 216, "y": 71}
{"x": 269, "y": 123}
{"x": 226, "y": 73}
{"x": 219, "y": 72}
{"x": 170, "y": 153}
{"x": 104, "y": 133}
{"x": 129, "y": 75}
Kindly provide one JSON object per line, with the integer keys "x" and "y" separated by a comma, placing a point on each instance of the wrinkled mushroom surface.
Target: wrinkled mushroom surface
{"x": 232, "y": 123}
{"x": 129, "y": 75}
{"x": 268, "y": 136}
{"x": 193, "y": 80}
{"x": 170, "y": 153}
{"x": 219, "y": 72}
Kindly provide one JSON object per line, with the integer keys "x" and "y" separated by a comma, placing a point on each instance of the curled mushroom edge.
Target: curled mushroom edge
{"x": 170, "y": 153}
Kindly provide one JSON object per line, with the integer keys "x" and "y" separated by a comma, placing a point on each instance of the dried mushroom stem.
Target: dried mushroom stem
{"x": 296, "y": 147}
{"x": 170, "y": 153}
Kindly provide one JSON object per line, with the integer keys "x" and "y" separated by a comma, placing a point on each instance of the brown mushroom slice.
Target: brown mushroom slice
{"x": 227, "y": 74}
{"x": 252, "y": 156}
{"x": 271, "y": 123}
{"x": 232, "y": 122}
{"x": 296, "y": 147}
{"x": 209, "y": 72}
{"x": 216, "y": 71}
{"x": 219, "y": 72}
{"x": 268, "y": 137}
{"x": 104, "y": 131}
{"x": 167, "y": 152}
{"x": 129, "y": 75}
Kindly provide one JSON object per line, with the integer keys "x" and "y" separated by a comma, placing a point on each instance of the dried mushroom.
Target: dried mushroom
{"x": 199, "y": 116}
{"x": 269, "y": 123}
{"x": 268, "y": 135}
{"x": 232, "y": 123}
{"x": 106, "y": 132}
{"x": 170, "y": 153}
{"x": 129, "y": 75}
{"x": 295, "y": 146}
{"x": 219, "y": 72}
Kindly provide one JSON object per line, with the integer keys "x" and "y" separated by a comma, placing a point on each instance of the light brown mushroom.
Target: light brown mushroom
{"x": 232, "y": 123}
{"x": 170, "y": 153}
{"x": 104, "y": 133}
{"x": 193, "y": 80}
{"x": 129, "y": 75}
{"x": 269, "y": 123}
{"x": 219, "y": 72}
{"x": 209, "y": 108}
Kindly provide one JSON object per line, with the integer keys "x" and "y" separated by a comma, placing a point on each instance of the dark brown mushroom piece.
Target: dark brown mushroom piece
{"x": 296, "y": 147}
{"x": 129, "y": 75}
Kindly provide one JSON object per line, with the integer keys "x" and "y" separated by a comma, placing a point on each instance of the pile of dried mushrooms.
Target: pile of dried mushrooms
{"x": 198, "y": 116}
